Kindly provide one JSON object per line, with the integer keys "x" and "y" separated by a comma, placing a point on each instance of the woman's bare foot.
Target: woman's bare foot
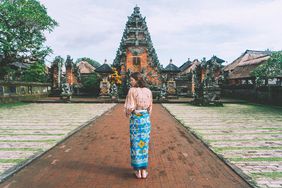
{"x": 138, "y": 174}
{"x": 144, "y": 173}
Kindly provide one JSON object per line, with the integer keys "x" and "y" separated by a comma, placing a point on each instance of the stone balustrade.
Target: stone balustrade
{"x": 14, "y": 90}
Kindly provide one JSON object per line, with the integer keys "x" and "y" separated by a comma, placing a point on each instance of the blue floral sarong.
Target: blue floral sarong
{"x": 140, "y": 128}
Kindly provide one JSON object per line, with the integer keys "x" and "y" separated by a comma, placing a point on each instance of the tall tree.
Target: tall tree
{"x": 36, "y": 73}
{"x": 22, "y": 26}
{"x": 270, "y": 69}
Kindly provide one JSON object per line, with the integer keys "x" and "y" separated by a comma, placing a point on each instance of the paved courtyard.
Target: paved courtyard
{"x": 99, "y": 156}
{"x": 29, "y": 130}
{"x": 248, "y": 136}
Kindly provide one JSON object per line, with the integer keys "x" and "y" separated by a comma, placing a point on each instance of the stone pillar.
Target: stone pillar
{"x": 69, "y": 75}
{"x": 193, "y": 86}
{"x": 55, "y": 77}
{"x": 56, "y": 71}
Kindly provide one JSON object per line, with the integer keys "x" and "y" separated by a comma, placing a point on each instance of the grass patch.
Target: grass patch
{"x": 238, "y": 134}
{"x": 272, "y": 175}
{"x": 238, "y": 128}
{"x": 265, "y": 108}
{"x": 245, "y": 140}
{"x": 221, "y": 149}
{"x": 21, "y": 149}
{"x": 50, "y": 140}
{"x": 273, "y": 129}
{"x": 11, "y": 160}
{"x": 9, "y": 129}
{"x": 33, "y": 134}
{"x": 256, "y": 159}
{"x": 11, "y": 105}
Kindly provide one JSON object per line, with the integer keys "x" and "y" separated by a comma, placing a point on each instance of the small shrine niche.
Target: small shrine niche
{"x": 170, "y": 72}
{"x": 104, "y": 71}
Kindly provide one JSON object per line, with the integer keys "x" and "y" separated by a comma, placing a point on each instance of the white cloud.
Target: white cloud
{"x": 179, "y": 29}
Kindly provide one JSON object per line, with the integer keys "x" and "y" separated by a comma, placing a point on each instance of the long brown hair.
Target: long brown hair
{"x": 140, "y": 82}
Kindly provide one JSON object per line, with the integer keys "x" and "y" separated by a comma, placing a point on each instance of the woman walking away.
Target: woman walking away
{"x": 138, "y": 106}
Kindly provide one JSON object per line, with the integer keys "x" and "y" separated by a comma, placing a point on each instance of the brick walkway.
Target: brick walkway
{"x": 98, "y": 156}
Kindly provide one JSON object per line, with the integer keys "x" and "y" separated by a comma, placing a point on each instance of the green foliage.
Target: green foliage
{"x": 273, "y": 175}
{"x": 91, "y": 84}
{"x": 35, "y": 73}
{"x": 270, "y": 69}
{"x": 22, "y": 26}
{"x": 12, "y": 105}
{"x": 94, "y": 63}
{"x": 6, "y": 71}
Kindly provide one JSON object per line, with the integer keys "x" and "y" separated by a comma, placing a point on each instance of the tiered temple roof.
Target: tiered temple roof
{"x": 85, "y": 67}
{"x": 136, "y": 34}
{"x": 105, "y": 68}
{"x": 215, "y": 59}
{"x": 171, "y": 68}
{"x": 185, "y": 65}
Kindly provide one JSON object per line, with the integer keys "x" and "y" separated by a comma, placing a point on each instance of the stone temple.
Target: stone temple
{"x": 136, "y": 52}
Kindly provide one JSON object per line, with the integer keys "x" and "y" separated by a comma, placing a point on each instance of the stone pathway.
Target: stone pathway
{"x": 29, "y": 130}
{"x": 248, "y": 136}
{"x": 98, "y": 156}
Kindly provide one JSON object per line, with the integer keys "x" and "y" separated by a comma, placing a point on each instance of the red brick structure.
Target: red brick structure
{"x": 70, "y": 72}
{"x": 136, "y": 52}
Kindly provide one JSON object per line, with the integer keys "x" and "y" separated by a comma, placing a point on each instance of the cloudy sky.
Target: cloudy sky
{"x": 180, "y": 29}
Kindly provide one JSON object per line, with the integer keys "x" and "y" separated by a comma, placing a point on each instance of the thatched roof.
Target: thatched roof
{"x": 254, "y": 61}
{"x": 85, "y": 67}
{"x": 244, "y": 68}
{"x": 105, "y": 68}
{"x": 185, "y": 65}
{"x": 215, "y": 59}
{"x": 247, "y": 56}
{"x": 171, "y": 68}
{"x": 241, "y": 72}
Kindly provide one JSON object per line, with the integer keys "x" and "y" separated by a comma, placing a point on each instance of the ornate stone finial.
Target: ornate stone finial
{"x": 136, "y": 10}
{"x": 69, "y": 61}
{"x": 170, "y": 61}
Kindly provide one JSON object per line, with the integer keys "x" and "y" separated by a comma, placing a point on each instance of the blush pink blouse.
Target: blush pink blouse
{"x": 138, "y": 99}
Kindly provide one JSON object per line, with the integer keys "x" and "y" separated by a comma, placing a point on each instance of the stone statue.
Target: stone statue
{"x": 171, "y": 87}
{"x": 114, "y": 91}
{"x": 105, "y": 87}
{"x": 163, "y": 91}
{"x": 66, "y": 91}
